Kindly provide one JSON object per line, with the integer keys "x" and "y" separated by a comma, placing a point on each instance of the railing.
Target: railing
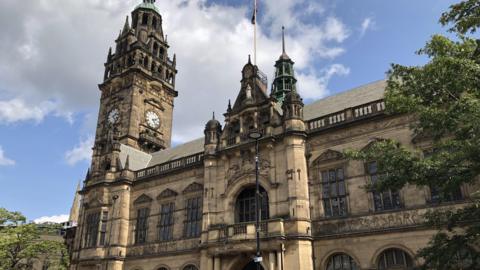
{"x": 170, "y": 166}
{"x": 246, "y": 231}
{"x": 347, "y": 115}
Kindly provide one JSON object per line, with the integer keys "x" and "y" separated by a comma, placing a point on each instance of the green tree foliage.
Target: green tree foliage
{"x": 443, "y": 97}
{"x": 21, "y": 245}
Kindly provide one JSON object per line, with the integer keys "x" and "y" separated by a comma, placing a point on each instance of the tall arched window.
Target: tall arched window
{"x": 245, "y": 205}
{"x": 395, "y": 258}
{"x": 341, "y": 261}
{"x": 190, "y": 267}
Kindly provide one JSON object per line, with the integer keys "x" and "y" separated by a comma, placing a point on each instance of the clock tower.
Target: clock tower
{"x": 138, "y": 90}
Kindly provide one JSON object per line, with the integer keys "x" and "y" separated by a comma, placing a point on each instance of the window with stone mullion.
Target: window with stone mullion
{"x": 193, "y": 220}
{"x": 334, "y": 193}
{"x": 386, "y": 200}
{"x": 91, "y": 235}
{"x": 166, "y": 222}
{"x": 142, "y": 226}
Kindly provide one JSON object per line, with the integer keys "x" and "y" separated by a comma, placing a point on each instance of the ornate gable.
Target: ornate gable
{"x": 329, "y": 155}
{"x": 194, "y": 187}
{"x": 167, "y": 193}
{"x": 143, "y": 199}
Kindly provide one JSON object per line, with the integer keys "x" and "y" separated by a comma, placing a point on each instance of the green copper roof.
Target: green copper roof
{"x": 148, "y": 5}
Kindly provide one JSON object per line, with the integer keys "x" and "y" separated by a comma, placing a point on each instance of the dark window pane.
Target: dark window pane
{"x": 341, "y": 262}
{"x": 194, "y": 217}
{"x": 245, "y": 205}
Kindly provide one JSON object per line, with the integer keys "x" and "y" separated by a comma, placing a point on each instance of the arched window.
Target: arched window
{"x": 154, "y": 23}
{"x": 394, "y": 258}
{"x": 341, "y": 261}
{"x": 190, "y": 267}
{"x": 155, "y": 49}
{"x": 245, "y": 205}
{"x": 145, "y": 19}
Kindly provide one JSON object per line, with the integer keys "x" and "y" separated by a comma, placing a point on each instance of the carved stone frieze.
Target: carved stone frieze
{"x": 246, "y": 166}
{"x": 370, "y": 223}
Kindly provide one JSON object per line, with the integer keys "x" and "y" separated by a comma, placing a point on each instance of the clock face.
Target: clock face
{"x": 113, "y": 116}
{"x": 153, "y": 120}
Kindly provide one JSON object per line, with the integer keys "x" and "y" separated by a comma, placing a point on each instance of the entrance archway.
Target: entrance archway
{"x": 252, "y": 266}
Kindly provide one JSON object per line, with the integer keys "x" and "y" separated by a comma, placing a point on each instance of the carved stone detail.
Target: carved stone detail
{"x": 194, "y": 187}
{"x": 167, "y": 193}
{"x": 143, "y": 199}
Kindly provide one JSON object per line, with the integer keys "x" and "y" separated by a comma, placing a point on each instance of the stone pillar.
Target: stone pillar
{"x": 217, "y": 263}
{"x": 279, "y": 259}
{"x": 271, "y": 260}
{"x": 210, "y": 263}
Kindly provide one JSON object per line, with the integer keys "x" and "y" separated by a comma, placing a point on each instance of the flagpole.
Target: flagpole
{"x": 255, "y": 35}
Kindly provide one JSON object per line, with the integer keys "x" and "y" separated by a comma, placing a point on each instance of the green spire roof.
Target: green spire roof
{"x": 285, "y": 80}
{"x": 148, "y": 4}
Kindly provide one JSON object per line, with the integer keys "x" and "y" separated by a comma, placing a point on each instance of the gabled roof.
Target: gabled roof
{"x": 183, "y": 150}
{"x": 351, "y": 98}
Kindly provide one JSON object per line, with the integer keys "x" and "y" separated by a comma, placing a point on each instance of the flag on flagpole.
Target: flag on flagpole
{"x": 254, "y": 16}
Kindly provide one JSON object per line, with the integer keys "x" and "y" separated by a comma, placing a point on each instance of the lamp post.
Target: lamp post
{"x": 256, "y": 135}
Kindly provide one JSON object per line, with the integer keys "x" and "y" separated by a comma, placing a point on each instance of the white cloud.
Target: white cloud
{"x": 4, "y": 161}
{"x": 15, "y": 110}
{"x": 367, "y": 24}
{"x": 315, "y": 86}
{"x": 81, "y": 152}
{"x": 53, "y": 219}
{"x": 56, "y": 52}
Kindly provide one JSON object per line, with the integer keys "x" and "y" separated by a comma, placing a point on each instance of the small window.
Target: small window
{"x": 386, "y": 200}
{"x": 334, "y": 193}
{"x": 103, "y": 227}
{"x": 145, "y": 19}
{"x": 154, "y": 23}
{"x": 341, "y": 261}
{"x": 190, "y": 267}
{"x": 396, "y": 259}
{"x": 141, "y": 226}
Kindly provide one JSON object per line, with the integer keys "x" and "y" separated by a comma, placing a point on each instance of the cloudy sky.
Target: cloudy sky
{"x": 52, "y": 54}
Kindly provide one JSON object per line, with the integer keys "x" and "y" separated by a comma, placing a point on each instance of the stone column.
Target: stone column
{"x": 271, "y": 260}
{"x": 279, "y": 260}
{"x": 210, "y": 263}
{"x": 217, "y": 263}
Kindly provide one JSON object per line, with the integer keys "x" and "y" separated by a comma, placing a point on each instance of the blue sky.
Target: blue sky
{"x": 51, "y": 62}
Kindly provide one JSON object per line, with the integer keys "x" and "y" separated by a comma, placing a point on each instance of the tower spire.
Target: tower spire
{"x": 283, "y": 39}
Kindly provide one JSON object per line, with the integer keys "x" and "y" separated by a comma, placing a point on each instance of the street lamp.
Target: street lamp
{"x": 256, "y": 135}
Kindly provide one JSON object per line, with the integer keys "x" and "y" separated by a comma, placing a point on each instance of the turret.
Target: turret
{"x": 213, "y": 131}
{"x": 285, "y": 80}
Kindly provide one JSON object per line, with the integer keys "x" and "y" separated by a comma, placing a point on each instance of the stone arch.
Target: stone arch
{"x": 239, "y": 263}
{"x": 239, "y": 185}
{"x": 376, "y": 256}
{"x": 333, "y": 252}
{"x": 186, "y": 266}
{"x": 161, "y": 267}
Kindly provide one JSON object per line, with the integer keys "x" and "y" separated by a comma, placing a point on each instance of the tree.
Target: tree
{"x": 443, "y": 97}
{"x": 21, "y": 245}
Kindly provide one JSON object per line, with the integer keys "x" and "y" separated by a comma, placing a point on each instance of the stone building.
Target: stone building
{"x": 147, "y": 206}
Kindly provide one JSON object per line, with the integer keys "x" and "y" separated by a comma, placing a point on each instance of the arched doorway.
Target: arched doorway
{"x": 252, "y": 266}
